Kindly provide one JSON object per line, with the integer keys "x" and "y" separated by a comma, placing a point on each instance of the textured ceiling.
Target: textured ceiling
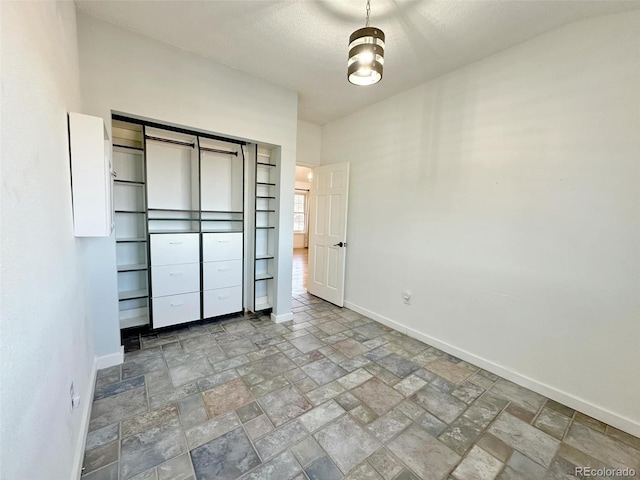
{"x": 302, "y": 44}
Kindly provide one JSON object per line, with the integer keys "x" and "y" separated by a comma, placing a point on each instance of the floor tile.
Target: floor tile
{"x": 431, "y": 424}
{"x": 284, "y": 405}
{"x": 376, "y": 395}
{"x": 346, "y": 443}
{"x": 409, "y": 385}
{"x": 534, "y": 443}
{"x": 350, "y": 348}
{"x": 119, "y": 387}
{"x": 388, "y": 426}
{"x": 211, "y": 429}
{"x": 323, "y": 469}
{"x": 178, "y": 468}
{"x": 248, "y": 412}
{"x": 307, "y": 450}
{"x": 444, "y": 406}
{"x": 495, "y": 447}
{"x": 110, "y": 472}
{"x": 102, "y": 436}
{"x": 146, "y": 420}
{"x": 282, "y": 467}
{"x": 323, "y": 371}
{"x": 100, "y": 457}
{"x": 552, "y": 422}
{"x": 152, "y": 447}
{"x": 258, "y": 427}
{"x": 521, "y": 396}
{"x": 280, "y": 438}
{"x": 478, "y": 465}
{"x": 399, "y": 366}
{"x": 188, "y": 372}
{"x": 307, "y": 343}
{"x": 225, "y": 458}
{"x": 321, "y": 394}
{"x": 423, "y": 453}
{"x": 385, "y": 463}
{"x": 115, "y": 408}
{"x": 363, "y": 415}
{"x": 609, "y": 450}
{"x": 460, "y": 435}
{"x": 226, "y": 397}
{"x": 320, "y": 416}
{"x": 449, "y": 371}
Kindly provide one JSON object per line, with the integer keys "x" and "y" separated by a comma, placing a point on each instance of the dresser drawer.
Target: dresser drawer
{"x": 222, "y": 301}
{"x": 174, "y": 279}
{"x": 176, "y": 309}
{"x": 221, "y": 246}
{"x": 174, "y": 248}
{"x": 222, "y": 274}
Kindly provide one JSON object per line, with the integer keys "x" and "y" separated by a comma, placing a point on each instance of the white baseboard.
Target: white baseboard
{"x": 86, "y": 401}
{"x": 566, "y": 398}
{"x": 110, "y": 360}
{"x": 285, "y": 317}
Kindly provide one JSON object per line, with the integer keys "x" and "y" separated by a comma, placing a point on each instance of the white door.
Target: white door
{"x": 328, "y": 198}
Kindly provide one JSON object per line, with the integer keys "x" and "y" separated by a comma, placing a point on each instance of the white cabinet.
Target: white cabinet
{"x": 222, "y": 301}
{"x": 91, "y": 176}
{"x": 221, "y": 246}
{"x": 175, "y": 279}
{"x": 176, "y": 309}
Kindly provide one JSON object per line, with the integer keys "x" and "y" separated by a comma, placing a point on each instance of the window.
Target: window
{"x": 299, "y": 214}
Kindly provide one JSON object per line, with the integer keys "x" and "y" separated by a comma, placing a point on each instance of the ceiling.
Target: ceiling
{"x": 302, "y": 44}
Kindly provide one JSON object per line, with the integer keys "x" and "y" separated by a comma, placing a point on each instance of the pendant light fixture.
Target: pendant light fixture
{"x": 366, "y": 54}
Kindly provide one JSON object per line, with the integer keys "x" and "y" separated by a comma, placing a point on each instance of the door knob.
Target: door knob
{"x": 341, "y": 244}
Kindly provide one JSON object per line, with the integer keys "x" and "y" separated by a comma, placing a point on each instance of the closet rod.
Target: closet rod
{"x": 215, "y": 150}
{"x": 166, "y": 140}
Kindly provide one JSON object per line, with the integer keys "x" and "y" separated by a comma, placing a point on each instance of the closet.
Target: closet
{"x": 181, "y": 224}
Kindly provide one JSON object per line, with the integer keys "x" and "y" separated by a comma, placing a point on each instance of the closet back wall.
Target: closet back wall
{"x": 129, "y": 73}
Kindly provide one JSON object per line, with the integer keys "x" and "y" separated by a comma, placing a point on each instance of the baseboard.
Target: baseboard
{"x": 86, "y": 401}
{"x": 106, "y": 361}
{"x": 581, "y": 405}
{"x": 285, "y": 317}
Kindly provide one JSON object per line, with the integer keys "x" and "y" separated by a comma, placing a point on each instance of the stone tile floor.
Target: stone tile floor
{"x": 330, "y": 395}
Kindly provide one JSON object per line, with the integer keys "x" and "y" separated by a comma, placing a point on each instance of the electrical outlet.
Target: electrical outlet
{"x": 406, "y": 298}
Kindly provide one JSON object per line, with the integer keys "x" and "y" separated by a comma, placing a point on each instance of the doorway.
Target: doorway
{"x": 301, "y": 230}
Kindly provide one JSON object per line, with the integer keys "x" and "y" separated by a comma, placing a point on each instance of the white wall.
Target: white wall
{"x": 46, "y": 336}
{"x": 125, "y": 72}
{"x": 506, "y": 197}
{"x": 308, "y": 144}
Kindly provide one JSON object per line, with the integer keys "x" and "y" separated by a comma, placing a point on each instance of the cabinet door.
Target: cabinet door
{"x": 91, "y": 176}
{"x": 174, "y": 248}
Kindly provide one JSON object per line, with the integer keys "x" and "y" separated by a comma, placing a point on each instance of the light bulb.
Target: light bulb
{"x": 366, "y": 57}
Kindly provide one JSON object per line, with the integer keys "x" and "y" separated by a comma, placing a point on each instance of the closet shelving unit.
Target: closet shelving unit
{"x": 265, "y": 229}
{"x": 129, "y": 187}
{"x": 186, "y": 222}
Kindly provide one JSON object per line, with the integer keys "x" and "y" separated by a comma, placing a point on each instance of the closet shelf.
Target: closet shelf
{"x": 222, "y": 220}
{"x": 221, "y": 211}
{"x": 172, "y": 231}
{"x": 266, "y": 184}
{"x": 265, "y": 211}
{"x": 173, "y": 219}
{"x": 264, "y": 257}
{"x": 131, "y": 240}
{"x": 262, "y": 306}
{"x": 264, "y": 228}
{"x": 260, "y": 196}
{"x": 221, "y": 230}
{"x": 171, "y": 210}
{"x": 132, "y": 322}
{"x": 133, "y": 294}
{"x": 132, "y": 268}
{"x": 266, "y": 164}
{"x": 263, "y": 276}
{"x": 129, "y": 182}
{"x": 137, "y": 212}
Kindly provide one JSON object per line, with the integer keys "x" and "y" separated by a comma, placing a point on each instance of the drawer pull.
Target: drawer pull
{"x": 223, "y": 269}
{"x": 175, "y": 243}
{"x": 175, "y": 274}
{"x": 223, "y": 297}
{"x": 223, "y": 241}
{"x": 177, "y": 304}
